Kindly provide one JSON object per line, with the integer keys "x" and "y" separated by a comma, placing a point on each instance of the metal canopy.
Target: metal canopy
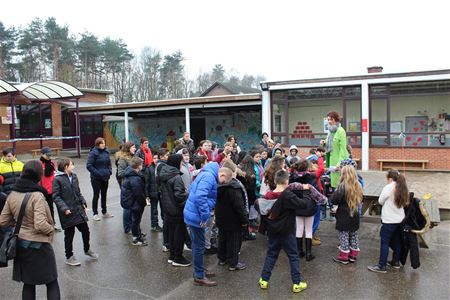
{"x": 48, "y": 90}
{"x": 5, "y": 87}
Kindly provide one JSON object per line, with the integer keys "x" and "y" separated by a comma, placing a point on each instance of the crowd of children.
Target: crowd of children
{"x": 211, "y": 200}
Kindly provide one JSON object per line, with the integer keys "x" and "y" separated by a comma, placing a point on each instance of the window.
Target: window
{"x": 29, "y": 124}
{"x": 299, "y": 115}
{"x": 411, "y": 114}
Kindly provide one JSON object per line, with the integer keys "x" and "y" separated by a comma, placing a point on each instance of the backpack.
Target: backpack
{"x": 416, "y": 219}
{"x": 126, "y": 196}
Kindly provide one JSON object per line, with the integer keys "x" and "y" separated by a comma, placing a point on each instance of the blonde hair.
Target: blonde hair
{"x": 353, "y": 190}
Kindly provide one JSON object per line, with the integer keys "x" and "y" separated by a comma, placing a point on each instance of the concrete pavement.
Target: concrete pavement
{"x": 127, "y": 272}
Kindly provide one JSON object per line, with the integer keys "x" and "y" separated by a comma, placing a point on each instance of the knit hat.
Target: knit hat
{"x": 349, "y": 162}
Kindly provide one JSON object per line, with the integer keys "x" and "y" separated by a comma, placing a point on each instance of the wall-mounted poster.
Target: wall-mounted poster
{"x": 325, "y": 125}
{"x": 416, "y": 129}
{"x": 379, "y": 126}
{"x": 354, "y": 126}
{"x": 396, "y": 126}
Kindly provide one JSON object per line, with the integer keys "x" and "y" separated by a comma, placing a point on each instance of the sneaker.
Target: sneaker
{"x": 222, "y": 262}
{"x": 170, "y": 260}
{"x": 108, "y": 215}
{"x": 250, "y": 237}
{"x": 72, "y": 261}
{"x": 96, "y": 218}
{"x": 187, "y": 248}
{"x": 394, "y": 265}
{"x": 143, "y": 235}
{"x": 377, "y": 269}
{"x": 156, "y": 229}
{"x": 91, "y": 254}
{"x": 238, "y": 266}
{"x": 139, "y": 242}
{"x": 182, "y": 262}
{"x": 57, "y": 229}
{"x": 165, "y": 248}
{"x": 297, "y": 288}
{"x": 263, "y": 284}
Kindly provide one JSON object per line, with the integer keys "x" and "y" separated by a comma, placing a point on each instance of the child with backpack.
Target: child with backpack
{"x": 280, "y": 227}
{"x": 132, "y": 197}
{"x": 393, "y": 198}
{"x": 347, "y": 197}
{"x": 71, "y": 209}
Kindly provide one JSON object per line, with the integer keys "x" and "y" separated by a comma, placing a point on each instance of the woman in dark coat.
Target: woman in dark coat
{"x": 71, "y": 209}
{"x": 99, "y": 165}
{"x": 35, "y": 260}
{"x": 173, "y": 199}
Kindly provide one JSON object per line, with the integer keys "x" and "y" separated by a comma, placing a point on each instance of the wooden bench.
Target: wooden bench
{"x": 423, "y": 163}
{"x": 36, "y": 152}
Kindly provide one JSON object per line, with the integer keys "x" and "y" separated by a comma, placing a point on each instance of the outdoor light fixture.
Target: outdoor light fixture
{"x": 264, "y": 86}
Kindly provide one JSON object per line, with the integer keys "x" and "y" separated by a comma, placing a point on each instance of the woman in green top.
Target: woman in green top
{"x": 336, "y": 145}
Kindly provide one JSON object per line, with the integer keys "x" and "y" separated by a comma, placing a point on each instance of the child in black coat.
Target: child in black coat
{"x": 72, "y": 209}
{"x": 133, "y": 197}
{"x": 230, "y": 218}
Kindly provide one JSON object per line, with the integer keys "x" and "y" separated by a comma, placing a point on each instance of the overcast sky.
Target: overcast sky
{"x": 277, "y": 39}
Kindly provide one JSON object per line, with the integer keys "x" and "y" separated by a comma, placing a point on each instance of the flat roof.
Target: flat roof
{"x": 267, "y": 84}
{"x": 170, "y": 104}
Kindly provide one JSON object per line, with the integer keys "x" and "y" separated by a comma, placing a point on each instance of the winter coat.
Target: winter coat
{"x": 230, "y": 213}
{"x": 67, "y": 196}
{"x": 344, "y": 221}
{"x": 99, "y": 164}
{"x": 133, "y": 185}
{"x": 151, "y": 187}
{"x": 141, "y": 154}
{"x": 250, "y": 187}
{"x": 173, "y": 192}
{"x": 10, "y": 171}
{"x": 47, "y": 182}
{"x": 281, "y": 220}
{"x": 310, "y": 207}
{"x": 202, "y": 196}
{"x": 338, "y": 153}
{"x": 189, "y": 145}
{"x": 186, "y": 174}
{"x": 122, "y": 163}
{"x": 37, "y": 223}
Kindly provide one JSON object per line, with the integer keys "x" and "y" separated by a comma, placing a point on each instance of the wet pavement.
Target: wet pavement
{"x": 127, "y": 272}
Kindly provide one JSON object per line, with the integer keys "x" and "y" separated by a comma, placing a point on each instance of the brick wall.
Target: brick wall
{"x": 94, "y": 97}
{"x": 438, "y": 158}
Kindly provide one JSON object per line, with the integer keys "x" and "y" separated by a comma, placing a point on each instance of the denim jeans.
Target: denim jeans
{"x": 126, "y": 220}
{"x": 198, "y": 250}
{"x": 389, "y": 236}
{"x": 316, "y": 219}
{"x": 289, "y": 245}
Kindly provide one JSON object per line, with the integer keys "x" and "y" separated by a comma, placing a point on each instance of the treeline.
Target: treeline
{"x": 45, "y": 50}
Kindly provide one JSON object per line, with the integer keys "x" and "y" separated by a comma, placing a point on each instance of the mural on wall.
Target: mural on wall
{"x": 162, "y": 132}
{"x": 416, "y": 131}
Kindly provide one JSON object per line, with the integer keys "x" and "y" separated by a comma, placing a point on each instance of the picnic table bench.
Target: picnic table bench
{"x": 36, "y": 152}
{"x": 399, "y": 163}
{"x": 371, "y": 194}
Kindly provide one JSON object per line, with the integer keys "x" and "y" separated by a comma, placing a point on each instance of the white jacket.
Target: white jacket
{"x": 390, "y": 213}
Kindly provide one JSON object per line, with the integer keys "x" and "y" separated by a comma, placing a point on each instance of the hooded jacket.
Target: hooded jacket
{"x": 202, "y": 196}
{"x": 67, "y": 196}
{"x": 288, "y": 159}
{"x": 173, "y": 192}
{"x": 11, "y": 173}
{"x": 99, "y": 164}
{"x": 230, "y": 213}
{"x": 134, "y": 185}
{"x": 310, "y": 205}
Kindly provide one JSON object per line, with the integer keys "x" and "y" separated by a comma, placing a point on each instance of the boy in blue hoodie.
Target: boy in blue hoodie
{"x": 132, "y": 196}
{"x": 197, "y": 212}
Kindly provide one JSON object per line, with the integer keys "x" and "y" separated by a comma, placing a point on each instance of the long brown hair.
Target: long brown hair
{"x": 401, "y": 194}
{"x": 275, "y": 165}
{"x": 353, "y": 190}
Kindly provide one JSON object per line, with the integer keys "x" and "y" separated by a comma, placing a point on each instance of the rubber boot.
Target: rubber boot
{"x": 353, "y": 255}
{"x": 301, "y": 253}
{"x": 342, "y": 257}
{"x": 309, "y": 256}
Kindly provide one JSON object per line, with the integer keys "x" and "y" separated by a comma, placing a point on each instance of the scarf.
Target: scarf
{"x": 148, "y": 157}
{"x": 49, "y": 167}
{"x": 332, "y": 130}
{"x": 27, "y": 185}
